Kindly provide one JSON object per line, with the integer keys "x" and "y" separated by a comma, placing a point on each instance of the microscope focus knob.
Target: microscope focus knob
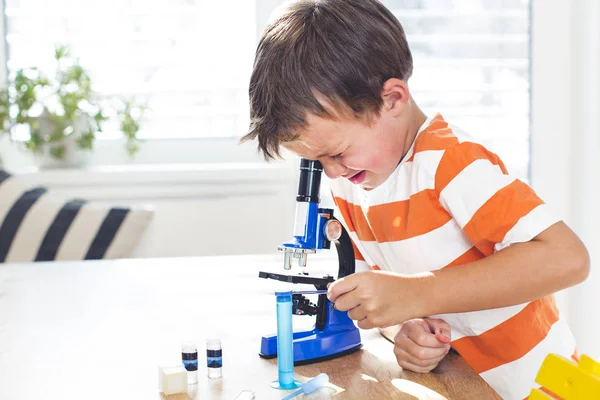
{"x": 333, "y": 229}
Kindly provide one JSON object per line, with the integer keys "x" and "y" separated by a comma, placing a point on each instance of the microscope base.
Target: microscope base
{"x": 314, "y": 345}
{"x": 318, "y": 359}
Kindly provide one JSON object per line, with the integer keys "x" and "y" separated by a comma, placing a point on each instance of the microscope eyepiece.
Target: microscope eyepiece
{"x": 311, "y": 165}
{"x": 310, "y": 181}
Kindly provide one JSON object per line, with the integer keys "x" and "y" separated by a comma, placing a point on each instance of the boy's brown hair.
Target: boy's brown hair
{"x": 342, "y": 50}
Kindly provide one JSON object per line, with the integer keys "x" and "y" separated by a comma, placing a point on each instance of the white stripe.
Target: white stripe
{"x": 375, "y": 256}
{"x": 430, "y": 251}
{"x": 415, "y": 255}
{"x": 477, "y": 322}
{"x": 33, "y": 228}
{"x": 81, "y": 233}
{"x": 528, "y": 227}
{"x": 129, "y": 233}
{"x": 360, "y": 266}
{"x": 408, "y": 179}
{"x": 471, "y": 188}
{"x": 10, "y": 191}
{"x": 516, "y": 379}
{"x": 369, "y": 250}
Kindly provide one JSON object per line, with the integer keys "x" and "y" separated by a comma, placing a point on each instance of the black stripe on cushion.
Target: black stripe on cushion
{"x": 15, "y": 216}
{"x": 3, "y": 175}
{"x": 58, "y": 229}
{"x": 111, "y": 224}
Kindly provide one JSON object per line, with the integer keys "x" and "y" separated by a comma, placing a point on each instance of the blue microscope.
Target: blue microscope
{"x": 334, "y": 334}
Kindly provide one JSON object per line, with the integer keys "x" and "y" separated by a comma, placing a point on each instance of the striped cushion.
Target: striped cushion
{"x": 38, "y": 226}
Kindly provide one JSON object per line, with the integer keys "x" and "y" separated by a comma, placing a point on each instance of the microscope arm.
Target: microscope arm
{"x": 345, "y": 252}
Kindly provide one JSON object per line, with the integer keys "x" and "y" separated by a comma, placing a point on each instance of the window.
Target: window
{"x": 189, "y": 59}
{"x": 471, "y": 63}
{"x": 192, "y": 59}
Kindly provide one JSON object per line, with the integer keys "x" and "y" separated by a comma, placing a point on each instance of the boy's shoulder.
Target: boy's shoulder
{"x": 437, "y": 134}
{"x": 441, "y": 147}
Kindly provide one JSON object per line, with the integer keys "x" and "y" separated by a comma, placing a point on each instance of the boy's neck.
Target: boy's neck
{"x": 416, "y": 120}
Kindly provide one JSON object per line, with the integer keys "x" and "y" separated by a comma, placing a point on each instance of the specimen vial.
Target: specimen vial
{"x": 189, "y": 357}
{"x": 214, "y": 358}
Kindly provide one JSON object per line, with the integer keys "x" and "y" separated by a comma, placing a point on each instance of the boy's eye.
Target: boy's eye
{"x": 339, "y": 155}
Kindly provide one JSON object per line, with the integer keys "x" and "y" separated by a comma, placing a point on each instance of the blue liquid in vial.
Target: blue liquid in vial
{"x": 214, "y": 360}
{"x": 285, "y": 344}
{"x": 189, "y": 358}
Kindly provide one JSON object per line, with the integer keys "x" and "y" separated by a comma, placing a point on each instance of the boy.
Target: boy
{"x": 446, "y": 231}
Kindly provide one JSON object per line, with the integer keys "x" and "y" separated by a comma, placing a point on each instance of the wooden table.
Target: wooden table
{"x": 99, "y": 330}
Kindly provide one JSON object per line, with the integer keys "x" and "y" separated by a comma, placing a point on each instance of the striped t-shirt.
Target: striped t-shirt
{"x": 450, "y": 202}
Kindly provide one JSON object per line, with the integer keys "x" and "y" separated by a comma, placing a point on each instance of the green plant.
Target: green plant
{"x": 129, "y": 123}
{"x": 55, "y": 108}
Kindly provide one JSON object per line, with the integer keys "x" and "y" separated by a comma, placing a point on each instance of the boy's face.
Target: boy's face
{"x": 349, "y": 148}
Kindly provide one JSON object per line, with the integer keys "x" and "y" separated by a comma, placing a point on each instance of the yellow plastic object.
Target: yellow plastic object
{"x": 539, "y": 395}
{"x": 567, "y": 379}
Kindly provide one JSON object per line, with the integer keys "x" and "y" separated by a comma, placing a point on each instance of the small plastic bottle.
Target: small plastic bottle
{"x": 189, "y": 357}
{"x": 214, "y": 358}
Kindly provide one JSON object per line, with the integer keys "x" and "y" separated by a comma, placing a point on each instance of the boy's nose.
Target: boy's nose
{"x": 333, "y": 169}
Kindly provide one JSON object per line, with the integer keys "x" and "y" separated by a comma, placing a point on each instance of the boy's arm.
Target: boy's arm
{"x": 554, "y": 260}
{"x": 529, "y": 253}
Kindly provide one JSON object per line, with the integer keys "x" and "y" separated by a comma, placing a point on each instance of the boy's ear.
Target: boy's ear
{"x": 395, "y": 96}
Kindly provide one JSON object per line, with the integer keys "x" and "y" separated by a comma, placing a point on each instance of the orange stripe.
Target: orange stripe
{"x": 343, "y": 207}
{"x": 357, "y": 255}
{"x": 355, "y": 219}
{"x": 436, "y": 123}
{"x": 547, "y": 392}
{"x": 376, "y": 268}
{"x": 575, "y": 355}
{"x": 473, "y": 254}
{"x": 457, "y": 158}
{"x": 510, "y": 340}
{"x": 437, "y": 136}
{"x": 401, "y": 220}
{"x": 490, "y": 224}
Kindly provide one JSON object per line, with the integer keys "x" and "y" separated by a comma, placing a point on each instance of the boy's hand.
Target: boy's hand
{"x": 379, "y": 298}
{"x": 421, "y": 344}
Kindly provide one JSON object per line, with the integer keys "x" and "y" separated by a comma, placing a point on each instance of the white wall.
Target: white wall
{"x": 565, "y": 159}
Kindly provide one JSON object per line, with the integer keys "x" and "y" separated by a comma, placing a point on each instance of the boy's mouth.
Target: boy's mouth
{"x": 358, "y": 178}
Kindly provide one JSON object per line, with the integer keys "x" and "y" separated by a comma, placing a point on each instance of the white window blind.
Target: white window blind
{"x": 190, "y": 60}
{"x": 471, "y": 63}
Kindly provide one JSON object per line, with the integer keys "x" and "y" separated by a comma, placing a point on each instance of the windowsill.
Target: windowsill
{"x": 111, "y": 153}
{"x": 159, "y": 174}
